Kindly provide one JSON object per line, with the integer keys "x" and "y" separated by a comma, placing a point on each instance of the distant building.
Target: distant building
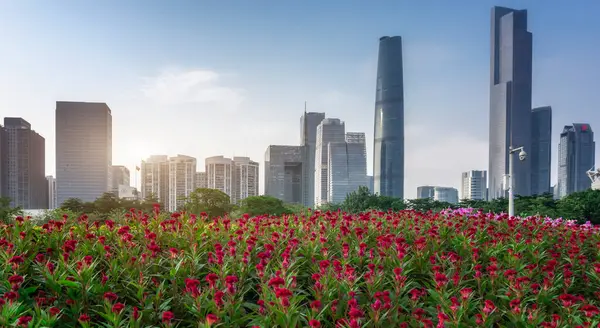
{"x": 445, "y": 194}
{"x": 120, "y": 176}
{"x": 83, "y": 150}
{"x": 201, "y": 180}
{"x": 425, "y": 192}
{"x": 595, "y": 178}
{"x": 346, "y": 166}
{"x": 155, "y": 178}
{"x": 285, "y": 173}
{"x": 308, "y": 132}
{"x": 219, "y": 174}
{"x": 182, "y": 180}
{"x": 370, "y": 183}
{"x": 541, "y": 150}
{"x": 576, "y": 156}
{"x": 128, "y": 192}
{"x": 474, "y": 185}
{"x": 330, "y": 130}
{"x": 3, "y": 163}
{"x": 245, "y": 178}
{"x": 52, "y": 203}
{"x": 24, "y": 168}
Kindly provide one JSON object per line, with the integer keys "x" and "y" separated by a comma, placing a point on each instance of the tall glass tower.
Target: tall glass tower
{"x": 388, "y": 151}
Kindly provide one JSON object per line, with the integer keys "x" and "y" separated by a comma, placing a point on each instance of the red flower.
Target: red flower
{"x": 16, "y": 260}
{"x": 24, "y": 320}
{"x": 314, "y": 323}
{"x": 440, "y": 279}
{"x": 110, "y": 296}
{"x": 167, "y": 316}
{"x": 84, "y": 318}
{"x": 54, "y": 311}
{"x": 590, "y": 310}
{"x": 136, "y": 313}
{"x": 489, "y": 307}
{"x": 118, "y": 307}
{"x": 315, "y": 305}
{"x": 211, "y": 319}
{"x": 211, "y": 278}
{"x": 15, "y": 281}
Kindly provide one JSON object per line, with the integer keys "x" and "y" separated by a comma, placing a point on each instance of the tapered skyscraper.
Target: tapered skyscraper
{"x": 388, "y": 151}
{"x": 510, "y": 99}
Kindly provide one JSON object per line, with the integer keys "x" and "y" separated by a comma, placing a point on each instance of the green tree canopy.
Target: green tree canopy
{"x": 8, "y": 213}
{"x": 211, "y": 201}
{"x": 257, "y": 205}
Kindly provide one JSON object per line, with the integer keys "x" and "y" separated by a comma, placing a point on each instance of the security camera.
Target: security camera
{"x": 522, "y": 155}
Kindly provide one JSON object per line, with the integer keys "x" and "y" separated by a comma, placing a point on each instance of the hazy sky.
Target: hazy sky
{"x": 205, "y": 78}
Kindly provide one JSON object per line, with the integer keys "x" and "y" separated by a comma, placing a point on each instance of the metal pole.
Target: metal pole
{"x": 511, "y": 196}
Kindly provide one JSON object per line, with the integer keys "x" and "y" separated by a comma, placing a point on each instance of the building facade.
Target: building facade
{"x": 182, "y": 180}
{"x": 330, "y": 130}
{"x": 25, "y": 159}
{"x": 425, "y": 192}
{"x": 388, "y": 151}
{"x": 576, "y": 156}
{"x": 346, "y": 167}
{"x": 510, "y": 99}
{"x": 120, "y": 176}
{"x": 286, "y": 173}
{"x": 52, "y": 203}
{"x": 308, "y": 132}
{"x": 541, "y": 150}
{"x": 219, "y": 174}
{"x": 155, "y": 178}
{"x": 370, "y": 183}
{"x": 474, "y": 185}
{"x": 245, "y": 178}
{"x": 445, "y": 194}
{"x": 201, "y": 180}
{"x": 3, "y": 162}
{"x": 83, "y": 150}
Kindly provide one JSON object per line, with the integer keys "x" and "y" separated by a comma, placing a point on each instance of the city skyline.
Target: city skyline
{"x": 563, "y": 78}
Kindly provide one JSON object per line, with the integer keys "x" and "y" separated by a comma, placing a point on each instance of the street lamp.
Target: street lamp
{"x": 511, "y": 195}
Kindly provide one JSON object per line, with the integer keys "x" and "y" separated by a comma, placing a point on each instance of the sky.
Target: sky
{"x": 207, "y": 78}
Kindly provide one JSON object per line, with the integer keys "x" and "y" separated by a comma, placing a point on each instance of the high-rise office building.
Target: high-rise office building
{"x": 155, "y": 178}
{"x": 182, "y": 180}
{"x": 245, "y": 178}
{"x": 346, "y": 166}
{"x": 219, "y": 174}
{"x": 3, "y": 162}
{"x": 388, "y": 151}
{"x": 474, "y": 185}
{"x": 25, "y": 158}
{"x": 285, "y": 173}
{"x": 120, "y": 176}
{"x": 330, "y": 130}
{"x": 425, "y": 192}
{"x": 510, "y": 99}
{"x": 541, "y": 150}
{"x": 83, "y": 150}
{"x": 308, "y": 132}
{"x": 52, "y": 203}
{"x": 576, "y": 156}
{"x": 201, "y": 180}
{"x": 445, "y": 194}
{"x": 370, "y": 183}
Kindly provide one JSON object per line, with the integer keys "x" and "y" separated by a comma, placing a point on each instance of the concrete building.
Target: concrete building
{"x": 541, "y": 150}
{"x": 286, "y": 173}
{"x": 25, "y": 164}
{"x": 182, "y": 180}
{"x": 245, "y": 178}
{"x": 201, "y": 180}
{"x": 330, "y": 130}
{"x": 120, "y": 176}
{"x": 594, "y": 176}
{"x": 576, "y": 156}
{"x": 219, "y": 174}
{"x": 155, "y": 178}
{"x": 474, "y": 185}
{"x": 83, "y": 150}
{"x": 308, "y": 132}
{"x": 346, "y": 166}
{"x": 52, "y": 203}
{"x": 128, "y": 192}
{"x": 388, "y": 150}
{"x": 370, "y": 183}
{"x": 3, "y": 162}
{"x": 510, "y": 99}
{"x": 445, "y": 194}
{"x": 425, "y": 192}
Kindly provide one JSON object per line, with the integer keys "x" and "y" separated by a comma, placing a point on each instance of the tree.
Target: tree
{"x": 74, "y": 205}
{"x": 581, "y": 206}
{"x": 257, "y": 205}
{"x": 8, "y": 213}
{"x": 211, "y": 201}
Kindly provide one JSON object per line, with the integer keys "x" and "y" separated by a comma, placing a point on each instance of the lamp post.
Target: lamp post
{"x": 511, "y": 195}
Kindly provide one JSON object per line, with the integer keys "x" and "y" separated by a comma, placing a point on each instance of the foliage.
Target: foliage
{"x": 106, "y": 205}
{"x": 457, "y": 268}
{"x": 8, "y": 213}
{"x": 210, "y": 201}
{"x": 257, "y": 205}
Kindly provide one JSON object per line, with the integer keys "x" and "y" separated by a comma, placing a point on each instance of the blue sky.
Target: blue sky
{"x": 206, "y": 78}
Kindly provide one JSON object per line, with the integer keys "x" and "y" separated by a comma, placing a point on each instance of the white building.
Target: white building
{"x": 182, "y": 180}
{"x": 155, "y": 178}
{"x": 595, "y": 177}
{"x": 219, "y": 174}
{"x": 445, "y": 194}
{"x": 329, "y": 130}
{"x": 245, "y": 178}
{"x": 346, "y": 166}
{"x": 52, "y": 203}
{"x": 474, "y": 185}
{"x": 200, "y": 180}
{"x": 127, "y": 192}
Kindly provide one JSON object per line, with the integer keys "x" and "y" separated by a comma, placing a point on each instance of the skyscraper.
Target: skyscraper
{"x": 182, "y": 180}
{"x": 425, "y": 192}
{"x": 245, "y": 178}
{"x": 120, "y": 176}
{"x": 346, "y": 166}
{"x": 201, "y": 180}
{"x": 308, "y": 132}
{"x": 510, "y": 99}
{"x": 474, "y": 185}
{"x": 83, "y": 150}
{"x": 388, "y": 151}
{"x": 155, "y": 178}
{"x": 285, "y": 173}
{"x": 219, "y": 174}
{"x": 51, "y": 192}
{"x": 576, "y": 156}
{"x": 3, "y": 162}
{"x": 330, "y": 130}
{"x": 25, "y": 159}
{"x": 541, "y": 150}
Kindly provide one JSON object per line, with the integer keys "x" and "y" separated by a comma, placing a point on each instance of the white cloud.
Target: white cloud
{"x": 197, "y": 86}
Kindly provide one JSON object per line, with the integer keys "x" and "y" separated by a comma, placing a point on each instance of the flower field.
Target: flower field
{"x": 405, "y": 269}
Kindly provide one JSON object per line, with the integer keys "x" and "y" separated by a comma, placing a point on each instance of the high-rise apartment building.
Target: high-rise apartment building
{"x": 83, "y": 150}
{"x": 541, "y": 150}
{"x": 576, "y": 156}
{"x": 425, "y": 192}
{"x": 308, "y": 132}
{"x": 219, "y": 174}
{"x": 52, "y": 203}
{"x": 24, "y": 159}
{"x": 330, "y": 130}
{"x": 245, "y": 178}
{"x": 510, "y": 99}
{"x": 182, "y": 180}
{"x": 346, "y": 166}
{"x": 285, "y": 173}
{"x": 201, "y": 180}
{"x": 155, "y": 178}
{"x": 388, "y": 151}
{"x": 474, "y": 185}
{"x": 120, "y": 176}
